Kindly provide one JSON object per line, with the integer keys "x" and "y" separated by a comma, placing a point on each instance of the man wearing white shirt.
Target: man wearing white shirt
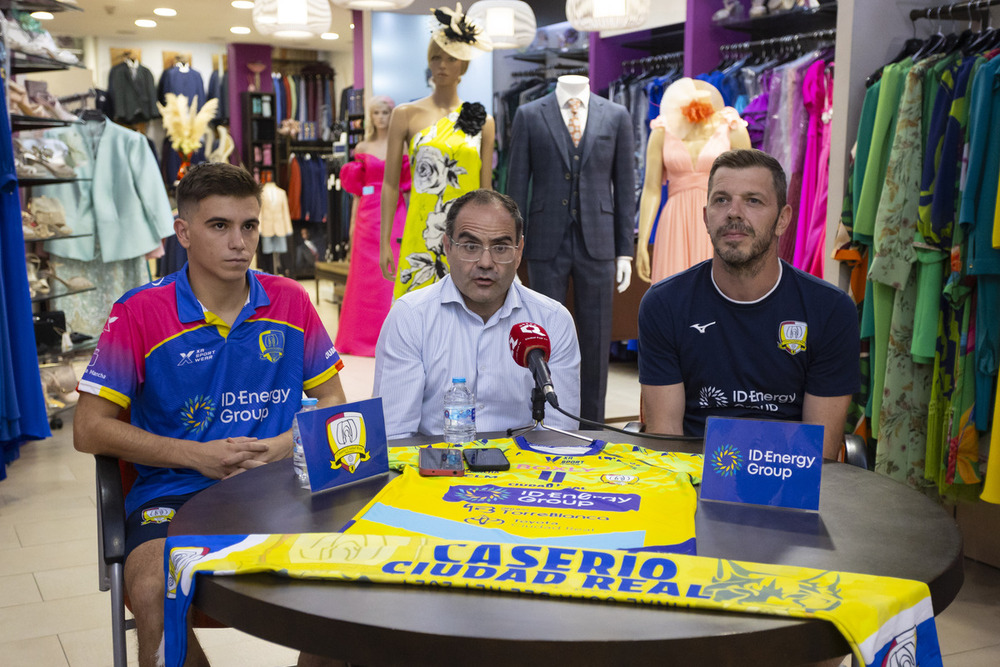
{"x": 459, "y": 327}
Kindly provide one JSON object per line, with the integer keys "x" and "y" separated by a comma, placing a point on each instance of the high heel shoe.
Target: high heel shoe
{"x": 50, "y": 103}
{"x": 47, "y": 157}
{"x": 49, "y": 212}
{"x": 36, "y": 284}
{"x": 18, "y": 101}
{"x": 758, "y": 8}
{"x": 75, "y": 283}
{"x": 731, "y": 10}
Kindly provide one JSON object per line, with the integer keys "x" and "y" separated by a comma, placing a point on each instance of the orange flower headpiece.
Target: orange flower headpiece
{"x": 688, "y": 102}
{"x": 697, "y": 111}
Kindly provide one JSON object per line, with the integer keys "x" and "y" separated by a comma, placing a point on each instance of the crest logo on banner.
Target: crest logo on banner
{"x": 347, "y": 437}
{"x": 344, "y": 444}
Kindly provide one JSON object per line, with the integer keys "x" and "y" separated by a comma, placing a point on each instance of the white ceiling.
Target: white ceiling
{"x": 208, "y": 21}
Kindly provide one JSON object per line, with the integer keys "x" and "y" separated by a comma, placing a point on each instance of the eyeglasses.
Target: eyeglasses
{"x": 472, "y": 252}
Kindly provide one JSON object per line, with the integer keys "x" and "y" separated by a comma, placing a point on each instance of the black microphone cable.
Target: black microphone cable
{"x": 653, "y": 436}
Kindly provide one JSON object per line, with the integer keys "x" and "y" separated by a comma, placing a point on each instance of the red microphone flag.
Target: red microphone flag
{"x": 525, "y": 337}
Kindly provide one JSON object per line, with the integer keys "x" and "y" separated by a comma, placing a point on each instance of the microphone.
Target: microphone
{"x": 530, "y": 346}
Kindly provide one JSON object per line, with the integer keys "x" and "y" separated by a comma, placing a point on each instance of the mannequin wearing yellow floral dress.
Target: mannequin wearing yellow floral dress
{"x": 451, "y": 152}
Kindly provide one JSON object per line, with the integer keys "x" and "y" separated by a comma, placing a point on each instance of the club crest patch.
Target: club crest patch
{"x": 157, "y": 515}
{"x": 792, "y": 336}
{"x": 272, "y": 345}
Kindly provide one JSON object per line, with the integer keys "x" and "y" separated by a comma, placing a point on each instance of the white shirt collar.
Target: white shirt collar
{"x": 562, "y": 97}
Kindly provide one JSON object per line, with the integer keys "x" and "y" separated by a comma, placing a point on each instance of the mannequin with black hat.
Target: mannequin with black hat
{"x": 450, "y": 145}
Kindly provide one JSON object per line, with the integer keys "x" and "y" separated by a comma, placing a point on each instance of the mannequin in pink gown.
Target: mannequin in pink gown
{"x": 693, "y": 128}
{"x": 368, "y": 296}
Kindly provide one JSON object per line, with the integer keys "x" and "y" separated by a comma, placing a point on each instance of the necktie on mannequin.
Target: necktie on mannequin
{"x": 575, "y": 131}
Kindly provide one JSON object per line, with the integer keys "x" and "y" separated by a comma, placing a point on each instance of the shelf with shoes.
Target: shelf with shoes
{"x": 40, "y": 5}
{"x": 784, "y": 17}
{"x": 544, "y": 56}
{"x": 19, "y": 122}
{"x": 26, "y": 63}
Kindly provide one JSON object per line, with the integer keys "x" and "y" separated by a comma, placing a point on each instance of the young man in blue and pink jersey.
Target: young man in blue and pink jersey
{"x": 211, "y": 362}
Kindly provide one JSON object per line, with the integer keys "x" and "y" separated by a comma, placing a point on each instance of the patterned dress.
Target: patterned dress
{"x": 445, "y": 163}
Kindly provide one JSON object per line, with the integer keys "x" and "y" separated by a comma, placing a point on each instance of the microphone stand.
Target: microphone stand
{"x": 538, "y": 416}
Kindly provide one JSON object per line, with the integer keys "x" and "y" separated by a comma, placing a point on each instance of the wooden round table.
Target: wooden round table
{"x": 866, "y": 523}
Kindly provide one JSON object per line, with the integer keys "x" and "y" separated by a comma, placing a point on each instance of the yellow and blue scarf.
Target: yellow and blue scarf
{"x": 887, "y": 621}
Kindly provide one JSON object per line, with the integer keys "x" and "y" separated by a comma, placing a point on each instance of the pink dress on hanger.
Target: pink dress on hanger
{"x": 681, "y": 240}
{"x": 810, "y": 239}
{"x": 367, "y": 295}
{"x": 810, "y": 233}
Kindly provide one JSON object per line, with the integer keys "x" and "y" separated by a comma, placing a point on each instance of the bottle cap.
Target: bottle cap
{"x": 309, "y": 401}
{"x": 454, "y": 380}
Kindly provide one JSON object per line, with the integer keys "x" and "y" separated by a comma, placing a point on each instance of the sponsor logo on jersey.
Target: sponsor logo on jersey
{"x": 792, "y": 336}
{"x": 186, "y": 358}
{"x": 726, "y": 460}
{"x": 111, "y": 320}
{"x": 93, "y": 357}
{"x": 711, "y": 397}
{"x": 197, "y": 413}
{"x": 157, "y": 515}
{"x": 272, "y": 345}
{"x": 701, "y": 327}
{"x": 348, "y": 440}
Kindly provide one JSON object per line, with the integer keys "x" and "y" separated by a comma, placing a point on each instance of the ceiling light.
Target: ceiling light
{"x": 373, "y": 5}
{"x": 510, "y": 24}
{"x": 242, "y": 4}
{"x": 42, "y": 16}
{"x": 329, "y": 35}
{"x": 291, "y": 18}
{"x": 239, "y": 30}
{"x": 145, "y": 23}
{"x": 593, "y": 15}
{"x": 165, "y": 11}
{"x": 352, "y": 26}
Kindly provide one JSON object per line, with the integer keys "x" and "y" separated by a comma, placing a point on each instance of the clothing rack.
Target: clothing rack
{"x": 652, "y": 61}
{"x": 783, "y": 41}
{"x": 78, "y": 97}
{"x": 545, "y": 72}
{"x": 955, "y": 10}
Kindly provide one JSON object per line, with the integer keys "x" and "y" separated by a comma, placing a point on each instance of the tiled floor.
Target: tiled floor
{"x": 51, "y": 613}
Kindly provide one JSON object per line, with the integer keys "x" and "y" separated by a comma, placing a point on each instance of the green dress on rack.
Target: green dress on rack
{"x": 445, "y": 163}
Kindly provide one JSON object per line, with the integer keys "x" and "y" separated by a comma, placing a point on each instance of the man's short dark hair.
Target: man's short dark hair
{"x": 214, "y": 178}
{"x": 483, "y": 197}
{"x": 747, "y": 158}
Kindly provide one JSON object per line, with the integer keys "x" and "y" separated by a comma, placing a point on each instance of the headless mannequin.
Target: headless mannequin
{"x": 694, "y": 137}
{"x": 409, "y": 119}
{"x": 579, "y": 86}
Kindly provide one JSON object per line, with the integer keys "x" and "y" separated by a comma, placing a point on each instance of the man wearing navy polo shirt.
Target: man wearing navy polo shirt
{"x": 211, "y": 362}
{"x": 744, "y": 334}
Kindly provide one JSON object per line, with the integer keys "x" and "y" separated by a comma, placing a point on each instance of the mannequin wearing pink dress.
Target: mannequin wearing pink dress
{"x": 367, "y": 295}
{"x": 692, "y": 130}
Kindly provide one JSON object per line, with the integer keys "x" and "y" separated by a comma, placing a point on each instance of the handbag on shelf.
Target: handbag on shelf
{"x": 49, "y": 329}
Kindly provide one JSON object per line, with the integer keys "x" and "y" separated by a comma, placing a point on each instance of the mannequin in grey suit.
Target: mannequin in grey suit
{"x": 580, "y": 218}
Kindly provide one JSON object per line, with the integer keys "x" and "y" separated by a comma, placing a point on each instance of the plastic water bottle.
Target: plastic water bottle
{"x": 459, "y": 413}
{"x": 298, "y": 453}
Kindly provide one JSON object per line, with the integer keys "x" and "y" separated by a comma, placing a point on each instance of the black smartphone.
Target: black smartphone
{"x": 486, "y": 459}
{"x": 437, "y": 462}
